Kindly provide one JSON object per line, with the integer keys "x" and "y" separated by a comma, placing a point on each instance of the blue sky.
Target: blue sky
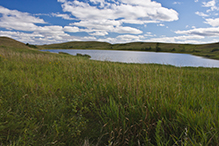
{"x": 114, "y": 21}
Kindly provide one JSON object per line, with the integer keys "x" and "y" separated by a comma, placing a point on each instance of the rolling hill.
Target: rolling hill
{"x": 205, "y": 50}
{"x": 8, "y": 42}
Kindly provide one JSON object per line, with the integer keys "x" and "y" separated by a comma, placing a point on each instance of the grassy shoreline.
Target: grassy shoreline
{"x": 58, "y": 99}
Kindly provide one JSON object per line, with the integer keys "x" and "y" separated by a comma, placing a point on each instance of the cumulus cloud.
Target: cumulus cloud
{"x": 124, "y": 38}
{"x": 104, "y": 16}
{"x": 16, "y": 21}
{"x": 160, "y": 24}
{"x": 178, "y": 39}
{"x": 177, "y": 3}
{"x": 99, "y": 33}
{"x": 37, "y": 38}
{"x": 71, "y": 29}
{"x": 213, "y": 22}
{"x": 201, "y": 14}
{"x": 211, "y": 4}
{"x": 213, "y": 31}
{"x": 63, "y": 16}
{"x": 143, "y": 38}
{"x": 130, "y": 38}
{"x": 13, "y": 19}
{"x": 127, "y": 30}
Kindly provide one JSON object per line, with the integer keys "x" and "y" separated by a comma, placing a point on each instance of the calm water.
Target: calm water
{"x": 175, "y": 59}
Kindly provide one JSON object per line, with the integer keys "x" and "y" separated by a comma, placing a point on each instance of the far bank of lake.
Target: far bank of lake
{"x": 175, "y": 59}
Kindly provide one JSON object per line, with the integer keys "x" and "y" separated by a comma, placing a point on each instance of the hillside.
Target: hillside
{"x": 8, "y": 42}
{"x": 205, "y": 50}
{"x": 79, "y": 45}
{"x": 11, "y": 44}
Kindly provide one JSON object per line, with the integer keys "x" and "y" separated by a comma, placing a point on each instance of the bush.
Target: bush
{"x": 214, "y": 50}
{"x": 173, "y": 50}
{"x": 85, "y": 55}
{"x": 31, "y": 46}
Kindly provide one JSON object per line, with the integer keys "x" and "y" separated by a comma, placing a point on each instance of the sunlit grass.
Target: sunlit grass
{"x": 57, "y": 99}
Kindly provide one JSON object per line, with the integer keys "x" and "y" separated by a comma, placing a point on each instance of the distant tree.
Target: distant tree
{"x": 214, "y": 50}
{"x": 31, "y": 46}
{"x": 173, "y": 50}
{"x": 158, "y": 49}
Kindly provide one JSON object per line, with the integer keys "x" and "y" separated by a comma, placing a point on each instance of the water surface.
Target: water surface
{"x": 175, "y": 59}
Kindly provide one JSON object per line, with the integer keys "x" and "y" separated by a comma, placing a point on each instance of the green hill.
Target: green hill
{"x": 205, "y": 50}
{"x": 11, "y": 44}
{"x": 79, "y": 45}
{"x": 8, "y": 42}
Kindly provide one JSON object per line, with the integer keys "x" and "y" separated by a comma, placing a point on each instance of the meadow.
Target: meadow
{"x": 59, "y": 99}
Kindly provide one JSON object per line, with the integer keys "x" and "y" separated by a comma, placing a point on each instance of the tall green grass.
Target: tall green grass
{"x": 57, "y": 99}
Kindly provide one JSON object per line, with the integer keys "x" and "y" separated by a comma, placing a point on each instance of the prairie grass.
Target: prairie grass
{"x": 58, "y": 99}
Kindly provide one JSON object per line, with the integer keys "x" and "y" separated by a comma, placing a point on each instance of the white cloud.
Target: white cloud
{"x": 211, "y": 4}
{"x": 129, "y": 38}
{"x": 124, "y": 37}
{"x": 100, "y": 27}
{"x": 213, "y": 22}
{"x": 131, "y": 21}
{"x": 113, "y": 15}
{"x": 71, "y": 29}
{"x": 98, "y": 24}
{"x": 201, "y": 14}
{"x": 63, "y": 16}
{"x": 160, "y": 24}
{"x": 177, "y": 3}
{"x": 127, "y": 29}
{"x": 196, "y": 1}
{"x": 37, "y": 38}
{"x": 178, "y": 39}
{"x": 213, "y": 31}
{"x": 26, "y": 17}
{"x": 99, "y": 33}
{"x": 143, "y": 38}
{"x": 62, "y": 1}
{"x": 13, "y": 19}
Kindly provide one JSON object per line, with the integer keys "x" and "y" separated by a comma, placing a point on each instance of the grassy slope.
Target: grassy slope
{"x": 58, "y": 99}
{"x": 80, "y": 45}
{"x": 8, "y": 42}
{"x": 201, "y": 50}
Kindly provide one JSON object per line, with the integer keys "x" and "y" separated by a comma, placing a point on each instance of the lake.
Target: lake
{"x": 175, "y": 59}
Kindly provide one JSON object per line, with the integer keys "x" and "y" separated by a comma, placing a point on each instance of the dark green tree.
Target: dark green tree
{"x": 158, "y": 49}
